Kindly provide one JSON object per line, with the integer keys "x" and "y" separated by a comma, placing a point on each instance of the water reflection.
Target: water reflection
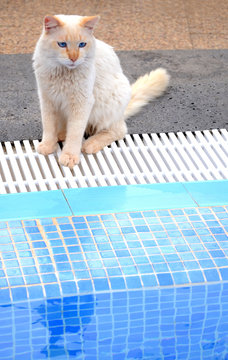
{"x": 160, "y": 324}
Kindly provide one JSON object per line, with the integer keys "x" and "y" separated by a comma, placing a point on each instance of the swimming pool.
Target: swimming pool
{"x": 125, "y": 272}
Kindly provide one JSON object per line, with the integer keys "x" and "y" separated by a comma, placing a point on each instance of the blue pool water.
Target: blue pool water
{"x": 136, "y": 272}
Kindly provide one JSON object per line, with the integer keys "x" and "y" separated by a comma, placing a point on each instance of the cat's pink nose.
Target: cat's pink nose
{"x": 73, "y": 55}
{"x": 73, "y": 58}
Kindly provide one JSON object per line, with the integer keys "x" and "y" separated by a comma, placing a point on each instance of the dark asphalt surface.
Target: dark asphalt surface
{"x": 195, "y": 100}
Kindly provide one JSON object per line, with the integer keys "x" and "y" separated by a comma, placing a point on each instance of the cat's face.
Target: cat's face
{"x": 68, "y": 39}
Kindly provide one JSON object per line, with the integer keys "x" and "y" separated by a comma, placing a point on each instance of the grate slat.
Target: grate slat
{"x": 105, "y": 168}
{"x": 131, "y": 159}
{"x": 122, "y": 163}
{"x": 32, "y": 162}
{"x": 86, "y": 170}
{"x": 141, "y": 164}
{"x": 114, "y": 168}
{"x": 206, "y": 153}
{"x": 137, "y": 159}
{"x": 17, "y": 173}
{"x": 24, "y": 165}
{"x": 158, "y": 160}
{"x": 168, "y": 154}
{"x": 9, "y": 183}
{"x": 195, "y": 161}
{"x": 44, "y": 168}
{"x": 149, "y": 161}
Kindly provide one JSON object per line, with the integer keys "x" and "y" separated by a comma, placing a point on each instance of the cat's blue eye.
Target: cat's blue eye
{"x": 82, "y": 44}
{"x": 62, "y": 44}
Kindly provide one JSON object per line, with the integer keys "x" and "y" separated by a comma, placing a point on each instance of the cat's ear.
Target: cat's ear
{"x": 89, "y": 22}
{"x": 51, "y": 23}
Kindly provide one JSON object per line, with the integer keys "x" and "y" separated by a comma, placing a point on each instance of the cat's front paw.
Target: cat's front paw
{"x": 69, "y": 159}
{"x": 46, "y": 148}
{"x": 91, "y": 146}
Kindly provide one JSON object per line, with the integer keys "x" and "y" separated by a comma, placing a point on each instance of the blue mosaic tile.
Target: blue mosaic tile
{"x": 165, "y": 247}
{"x": 165, "y": 279}
{"x": 224, "y": 273}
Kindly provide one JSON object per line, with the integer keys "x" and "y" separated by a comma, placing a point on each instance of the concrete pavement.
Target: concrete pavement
{"x": 188, "y": 38}
{"x": 195, "y": 100}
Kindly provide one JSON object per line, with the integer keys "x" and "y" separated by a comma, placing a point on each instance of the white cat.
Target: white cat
{"x": 82, "y": 88}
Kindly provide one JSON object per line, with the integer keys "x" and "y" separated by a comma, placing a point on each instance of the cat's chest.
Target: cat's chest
{"x": 63, "y": 87}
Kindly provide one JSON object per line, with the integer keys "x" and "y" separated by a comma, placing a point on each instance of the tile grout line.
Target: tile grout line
{"x": 191, "y": 196}
{"x": 67, "y": 202}
{"x": 112, "y": 291}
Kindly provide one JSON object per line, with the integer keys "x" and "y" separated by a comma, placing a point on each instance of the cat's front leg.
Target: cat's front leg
{"x": 76, "y": 123}
{"x": 49, "y": 122}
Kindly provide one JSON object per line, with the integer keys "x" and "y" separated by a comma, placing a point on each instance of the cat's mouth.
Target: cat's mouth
{"x": 71, "y": 66}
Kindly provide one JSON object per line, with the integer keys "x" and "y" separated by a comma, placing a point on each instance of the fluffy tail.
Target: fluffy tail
{"x": 146, "y": 88}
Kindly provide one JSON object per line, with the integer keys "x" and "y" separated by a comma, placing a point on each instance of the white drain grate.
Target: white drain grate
{"x": 138, "y": 159}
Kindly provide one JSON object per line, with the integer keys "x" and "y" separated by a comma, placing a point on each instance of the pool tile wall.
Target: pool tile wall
{"x": 169, "y": 323}
{"x": 132, "y": 250}
{"x": 142, "y": 246}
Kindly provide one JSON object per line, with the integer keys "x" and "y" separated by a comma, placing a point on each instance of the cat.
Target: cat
{"x": 82, "y": 88}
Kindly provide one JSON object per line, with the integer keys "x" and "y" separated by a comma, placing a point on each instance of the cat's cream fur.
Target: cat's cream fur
{"x": 84, "y": 89}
